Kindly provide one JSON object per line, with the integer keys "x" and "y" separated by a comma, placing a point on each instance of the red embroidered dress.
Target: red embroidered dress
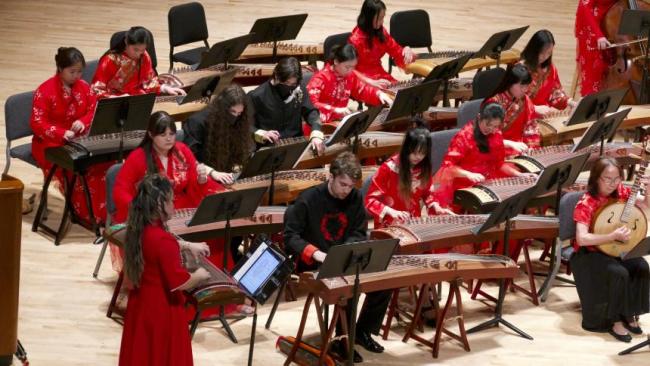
{"x": 519, "y": 123}
{"x": 119, "y": 74}
{"x": 589, "y": 205}
{"x": 369, "y": 56}
{"x": 54, "y": 110}
{"x": 155, "y": 326}
{"x": 329, "y": 91}
{"x": 384, "y": 193}
{"x": 546, "y": 89}
{"x": 591, "y": 60}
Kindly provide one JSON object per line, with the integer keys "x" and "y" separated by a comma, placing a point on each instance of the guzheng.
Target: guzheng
{"x": 554, "y": 131}
{"x": 483, "y": 197}
{"x": 263, "y": 52}
{"x": 459, "y": 88}
{"x": 435, "y": 118}
{"x": 219, "y": 289}
{"x": 79, "y": 153}
{"x": 425, "y": 63}
{"x": 180, "y": 112}
{"x": 424, "y": 234}
{"x": 372, "y": 144}
{"x": 411, "y": 270}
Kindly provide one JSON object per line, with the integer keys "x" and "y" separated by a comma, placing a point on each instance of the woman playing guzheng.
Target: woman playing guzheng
{"x": 155, "y": 327}
{"x": 591, "y": 43}
{"x": 545, "y": 89}
{"x": 331, "y": 88}
{"x": 395, "y": 193}
{"x": 520, "y": 129}
{"x": 220, "y": 135}
{"x": 126, "y": 69}
{"x": 63, "y": 108}
{"x": 372, "y": 41}
{"x": 612, "y": 292}
{"x": 475, "y": 153}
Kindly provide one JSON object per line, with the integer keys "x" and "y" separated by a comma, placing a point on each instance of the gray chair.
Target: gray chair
{"x": 364, "y": 191}
{"x": 486, "y": 82}
{"x": 439, "y": 144}
{"x": 89, "y": 71}
{"x": 111, "y": 176}
{"x": 566, "y": 230}
{"x": 468, "y": 111}
{"x": 18, "y": 111}
{"x": 187, "y": 24}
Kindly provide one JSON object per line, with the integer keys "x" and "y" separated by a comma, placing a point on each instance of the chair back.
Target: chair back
{"x": 364, "y": 192}
{"x": 89, "y": 71}
{"x": 468, "y": 111}
{"x": 333, "y": 40}
{"x": 486, "y": 82}
{"x": 111, "y": 176}
{"x": 187, "y": 24}
{"x": 18, "y": 111}
{"x": 151, "y": 46}
{"x": 568, "y": 202}
{"x": 439, "y": 145}
{"x": 411, "y": 28}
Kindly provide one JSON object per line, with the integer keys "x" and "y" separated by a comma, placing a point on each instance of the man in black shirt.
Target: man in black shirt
{"x": 329, "y": 214}
{"x": 281, "y": 104}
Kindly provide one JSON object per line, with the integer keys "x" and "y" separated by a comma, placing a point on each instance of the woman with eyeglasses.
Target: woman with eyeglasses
{"x": 613, "y": 292}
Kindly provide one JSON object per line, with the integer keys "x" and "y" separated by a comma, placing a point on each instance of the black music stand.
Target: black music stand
{"x": 272, "y": 159}
{"x": 504, "y": 212}
{"x": 640, "y": 250}
{"x": 224, "y": 52}
{"x": 445, "y": 72}
{"x": 559, "y": 175}
{"x": 284, "y": 28}
{"x": 203, "y": 88}
{"x": 413, "y": 100}
{"x": 637, "y": 23}
{"x": 499, "y": 42}
{"x": 355, "y": 259}
{"x": 352, "y": 126}
{"x": 601, "y": 130}
{"x": 595, "y": 106}
{"x": 227, "y": 206}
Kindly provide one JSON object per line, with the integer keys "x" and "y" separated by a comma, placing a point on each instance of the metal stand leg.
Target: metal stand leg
{"x": 634, "y": 348}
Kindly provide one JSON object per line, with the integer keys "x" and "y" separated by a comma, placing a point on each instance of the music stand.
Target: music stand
{"x": 119, "y": 114}
{"x": 355, "y": 259}
{"x": 601, "y": 130}
{"x": 640, "y": 250}
{"x": 637, "y": 23}
{"x": 594, "y": 106}
{"x": 445, "y": 72}
{"x": 504, "y": 212}
{"x": 227, "y": 206}
{"x": 352, "y": 126}
{"x": 559, "y": 175}
{"x": 499, "y": 42}
{"x": 203, "y": 88}
{"x": 284, "y": 28}
{"x": 413, "y": 100}
{"x": 224, "y": 52}
{"x": 271, "y": 159}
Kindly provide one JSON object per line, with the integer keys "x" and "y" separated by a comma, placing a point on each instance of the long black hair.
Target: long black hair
{"x": 515, "y": 74}
{"x": 488, "y": 112}
{"x": 342, "y": 53}
{"x": 135, "y": 35}
{"x": 369, "y": 10}
{"x": 415, "y": 140}
{"x": 148, "y": 206}
{"x": 159, "y": 122}
{"x": 538, "y": 42}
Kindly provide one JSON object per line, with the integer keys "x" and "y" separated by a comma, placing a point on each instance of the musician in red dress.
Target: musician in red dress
{"x": 613, "y": 292}
{"x": 519, "y": 128}
{"x": 395, "y": 193}
{"x": 545, "y": 89}
{"x": 372, "y": 41}
{"x": 126, "y": 69}
{"x": 330, "y": 89}
{"x": 155, "y": 327}
{"x": 63, "y": 108}
{"x": 476, "y": 153}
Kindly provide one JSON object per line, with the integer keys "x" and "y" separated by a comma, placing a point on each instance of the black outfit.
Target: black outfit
{"x": 195, "y": 133}
{"x": 272, "y": 113}
{"x": 609, "y": 288}
{"x": 319, "y": 219}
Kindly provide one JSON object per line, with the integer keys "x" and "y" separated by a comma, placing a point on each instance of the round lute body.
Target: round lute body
{"x": 612, "y": 216}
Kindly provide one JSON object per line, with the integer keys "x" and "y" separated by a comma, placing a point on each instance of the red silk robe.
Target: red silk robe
{"x": 519, "y": 123}
{"x": 155, "y": 325}
{"x": 546, "y": 89}
{"x": 592, "y": 63}
{"x": 328, "y": 91}
{"x": 54, "y": 111}
{"x": 588, "y": 205}
{"x": 370, "y": 57}
{"x": 118, "y": 74}
{"x": 463, "y": 152}
{"x": 384, "y": 192}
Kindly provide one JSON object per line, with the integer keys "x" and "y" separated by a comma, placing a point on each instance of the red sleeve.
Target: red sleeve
{"x": 307, "y": 253}
{"x": 40, "y": 121}
{"x": 106, "y": 70}
{"x": 585, "y": 18}
{"x": 315, "y": 89}
{"x": 531, "y": 136}
{"x": 91, "y": 102}
{"x": 150, "y": 82}
{"x": 169, "y": 260}
{"x": 364, "y": 92}
{"x": 380, "y": 191}
{"x": 130, "y": 175}
{"x": 394, "y": 49}
{"x": 558, "y": 98}
{"x": 456, "y": 151}
{"x": 584, "y": 210}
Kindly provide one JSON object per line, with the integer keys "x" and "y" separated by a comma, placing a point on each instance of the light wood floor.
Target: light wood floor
{"x": 62, "y": 309}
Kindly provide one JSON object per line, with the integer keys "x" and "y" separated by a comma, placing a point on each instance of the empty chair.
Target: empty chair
{"x": 439, "y": 145}
{"x": 486, "y": 82}
{"x": 333, "y": 40}
{"x": 18, "y": 111}
{"x": 468, "y": 111}
{"x": 410, "y": 28}
{"x": 151, "y": 46}
{"x": 187, "y": 24}
{"x": 111, "y": 175}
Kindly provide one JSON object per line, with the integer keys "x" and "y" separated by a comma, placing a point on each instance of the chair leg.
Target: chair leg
{"x": 116, "y": 293}
{"x": 554, "y": 268}
{"x": 100, "y": 258}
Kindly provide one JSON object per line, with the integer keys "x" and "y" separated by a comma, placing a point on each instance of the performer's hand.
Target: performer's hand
{"x": 397, "y": 215}
{"x": 198, "y": 250}
{"x": 439, "y": 210}
{"x": 544, "y": 110}
{"x": 409, "y": 55}
{"x": 385, "y": 98}
{"x": 202, "y": 173}
{"x": 318, "y": 146}
{"x": 222, "y": 177}
{"x": 319, "y": 256}
{"x": 603, "y": 43}
{"x": 272, "y": 136}
{"x": 520, "y": 147}
{"x": 379, "y": 83}
{"x": 526, "y": 175}
{"x": 77, "y": 127}
{"x": 201, "y": 274}
{"x": 68, "y": 134}
{"x": 172, "y": 90}
{"x": 343, "y": 111}
{"x": 475, "y": 177}
{"x": 621, "y": 234}
{"x": 572, "y": 103}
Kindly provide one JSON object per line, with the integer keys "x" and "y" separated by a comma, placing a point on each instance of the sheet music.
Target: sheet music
{"x": 339, "y": 126}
